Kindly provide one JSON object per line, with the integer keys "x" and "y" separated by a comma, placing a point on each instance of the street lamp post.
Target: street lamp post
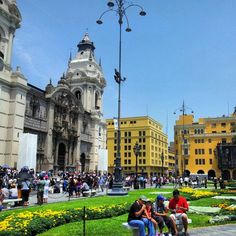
{"x": 162, "y": 164}
{"x": 136, "y": 149}
{"x": 119, "y": 7}
{"x": 183, "y": 109}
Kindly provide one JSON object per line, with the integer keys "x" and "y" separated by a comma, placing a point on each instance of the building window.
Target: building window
{"x": 144, "y": 154}
{"x": 196, "y": 151}
{"x": 209, "y": 140}
{"x": 196, "y": 161}
{"x": 129, "y": 161}
{"x": 125, "y": 162}
{"x": 125, "y": 147}
{"x": 210, "y": 161}
{"x": 223, "y": 124}
{"x": 203, "y": 161}
{"x": 210, "y": 151}
{"x": 144, "y": 161}
{"x": 129, "y": 154}
{"x": 213, "y": 125}
{"x": 115, "y": 148}
{"x": 200, "y": 161}
{"x": 144, "y": 140}
{"x": 185, "y": 151}
{"x": 140, "y": 161}
{"x": 129, "y": 147}
{"x": 140, "y": 133}
{"x": 224, "y": 140}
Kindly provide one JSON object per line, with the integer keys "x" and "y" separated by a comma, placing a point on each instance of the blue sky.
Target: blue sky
{"x": 181, "y": 50}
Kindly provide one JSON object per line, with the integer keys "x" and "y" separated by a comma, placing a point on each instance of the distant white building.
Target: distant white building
{"x": 67, "y": 118}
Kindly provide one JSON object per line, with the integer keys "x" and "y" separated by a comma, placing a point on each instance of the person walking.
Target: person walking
{"x": 40, "y": 190}
{"x": 46, "y": 189}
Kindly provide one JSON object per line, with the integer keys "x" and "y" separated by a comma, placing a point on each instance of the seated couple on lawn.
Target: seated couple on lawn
{"x": 145, "y": 214}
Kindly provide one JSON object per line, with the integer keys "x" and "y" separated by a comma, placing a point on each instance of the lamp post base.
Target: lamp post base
{"x": 117, "y": 190}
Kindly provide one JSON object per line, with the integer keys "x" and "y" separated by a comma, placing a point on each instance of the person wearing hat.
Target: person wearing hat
{"x": 135, "y": 218}
{"x": 161, "y": 215}
{"x": 178, "y": 206}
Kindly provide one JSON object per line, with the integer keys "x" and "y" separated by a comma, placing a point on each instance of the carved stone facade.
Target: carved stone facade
{"x": 67, "y": 118}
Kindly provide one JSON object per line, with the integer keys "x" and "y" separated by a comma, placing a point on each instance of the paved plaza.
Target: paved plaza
{"x": 229, "y": 230}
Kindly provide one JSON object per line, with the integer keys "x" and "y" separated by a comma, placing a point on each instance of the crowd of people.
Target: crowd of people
{"x": 153, "y": 216}
{"x": 19, "y": 184}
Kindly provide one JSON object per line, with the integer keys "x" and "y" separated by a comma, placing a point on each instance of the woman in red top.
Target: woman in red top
{"x": 178, "y": 207}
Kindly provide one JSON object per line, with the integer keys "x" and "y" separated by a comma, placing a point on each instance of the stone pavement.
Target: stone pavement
{"x": 227, "y": 230}
{"x": 57, "y": 197}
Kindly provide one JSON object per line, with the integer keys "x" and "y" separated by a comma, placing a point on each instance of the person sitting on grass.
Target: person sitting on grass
{"x": 148, "y": 213}
{"x": 161, "y": 215}
{"x": 178, "y": 206}
{"x": 135, "y": 217}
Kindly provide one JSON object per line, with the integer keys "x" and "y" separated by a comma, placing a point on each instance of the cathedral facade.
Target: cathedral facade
{"x": 67, "y": 118}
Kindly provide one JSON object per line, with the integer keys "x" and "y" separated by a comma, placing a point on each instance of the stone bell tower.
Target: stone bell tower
{"x": 13, "y": 86}
{"x": 87, "y": 83}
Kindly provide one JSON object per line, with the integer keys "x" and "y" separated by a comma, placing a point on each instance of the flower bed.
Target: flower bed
{"x": 33, "y": 223}
{"x": 197, "y": 194}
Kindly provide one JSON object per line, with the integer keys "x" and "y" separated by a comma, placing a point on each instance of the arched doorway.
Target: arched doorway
{"x": 82, "y": 161}
{"x": 61, "y": 156}
{"x": 225, "y": 175}
{"x": 200, "y": 172}
{"x": 211, "y": 174}
{"x": 234, "y": 174}
{"x": 187, "y": 173}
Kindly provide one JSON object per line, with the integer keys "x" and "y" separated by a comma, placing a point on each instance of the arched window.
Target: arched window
{"x": 97, "y": 105}
{"x": 2, "y": 34}
{"x": 78, "y": 95}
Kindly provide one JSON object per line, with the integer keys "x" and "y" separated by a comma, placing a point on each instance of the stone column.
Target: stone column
{"x": 49, "y": 145}
{"x": 10, "y": 45}
{"x": 77, "y": 152}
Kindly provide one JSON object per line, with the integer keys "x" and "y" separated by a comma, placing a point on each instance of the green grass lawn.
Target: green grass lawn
{"x": 103, "y": 227}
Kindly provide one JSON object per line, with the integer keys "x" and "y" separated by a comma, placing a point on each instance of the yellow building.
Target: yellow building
{"x": 196, "y": 143}
{"x": 149, "y": 135}
{"x": 171, "y": 159}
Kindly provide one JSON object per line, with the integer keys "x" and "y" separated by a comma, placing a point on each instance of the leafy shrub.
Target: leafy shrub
{"x": 33, "y": 223}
